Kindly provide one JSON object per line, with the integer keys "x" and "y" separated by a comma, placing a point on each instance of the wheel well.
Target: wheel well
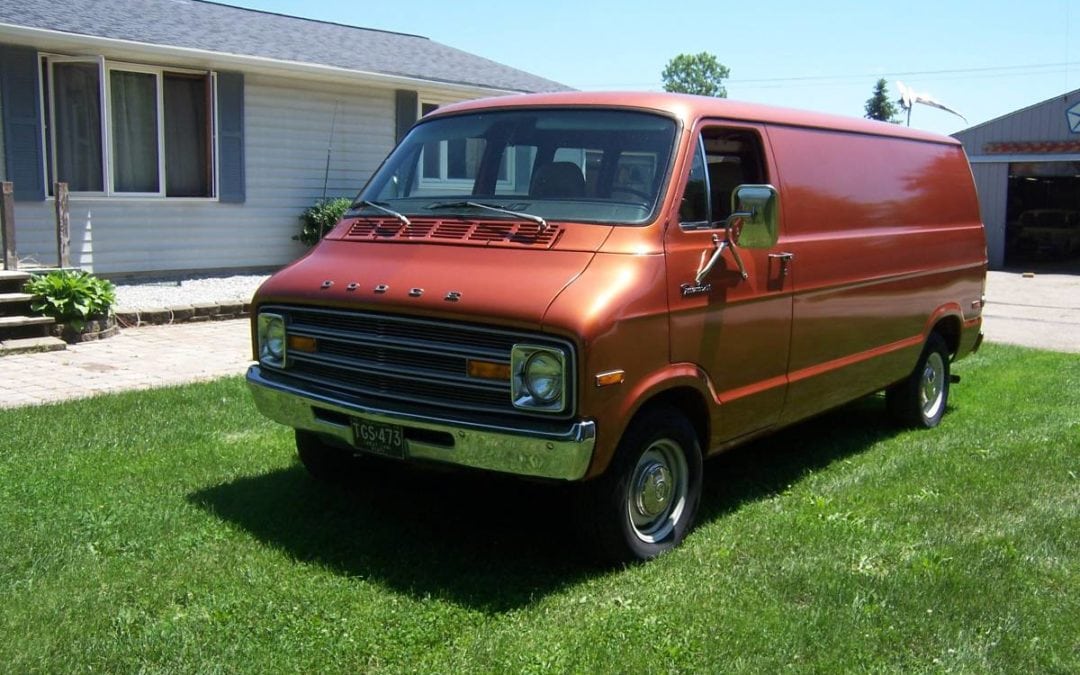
{"x": 949, "y": 329}
{"x": 691, "y": 403}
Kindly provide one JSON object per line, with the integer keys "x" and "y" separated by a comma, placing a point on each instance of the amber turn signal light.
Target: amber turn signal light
{"x": 302, "y": 343}
{"x": 610, "y": 377}
{"x": 488, "y": 370}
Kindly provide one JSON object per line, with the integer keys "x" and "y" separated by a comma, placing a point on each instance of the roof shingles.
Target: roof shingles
{"x": 212, "y": 27}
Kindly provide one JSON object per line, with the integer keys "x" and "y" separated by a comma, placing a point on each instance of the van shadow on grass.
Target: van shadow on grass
{"x": 771, "y": 464}
{"x": 485, "y": 542}
{"x": 489, "y": 542}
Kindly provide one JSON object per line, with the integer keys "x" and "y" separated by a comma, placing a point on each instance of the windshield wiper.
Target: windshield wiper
{"x": 384, "y": 209}
{"x": 497, "y": 209}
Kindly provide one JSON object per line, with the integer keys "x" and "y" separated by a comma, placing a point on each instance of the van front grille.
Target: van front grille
{"x": 389, "y": 361}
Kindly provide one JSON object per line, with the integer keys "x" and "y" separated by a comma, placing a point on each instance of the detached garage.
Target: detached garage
{"x": 1027, "y": 170}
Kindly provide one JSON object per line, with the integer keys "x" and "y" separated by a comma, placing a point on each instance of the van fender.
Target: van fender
{"x": 645, "y": 390}
{"x": 953, "y": 315}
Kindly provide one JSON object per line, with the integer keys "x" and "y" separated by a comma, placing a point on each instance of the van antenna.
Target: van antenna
{"x": 329, "y": 149}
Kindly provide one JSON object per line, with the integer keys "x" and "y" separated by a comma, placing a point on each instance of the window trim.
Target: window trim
{"x": 105, "y": 68}
{"x": 693, "y": 225}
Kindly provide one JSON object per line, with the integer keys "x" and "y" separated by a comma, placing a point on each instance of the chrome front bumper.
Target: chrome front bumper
{"x": 562, "y": 455}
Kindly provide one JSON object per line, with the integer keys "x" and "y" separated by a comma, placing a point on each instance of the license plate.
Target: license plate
{"x": 381, "y": 439}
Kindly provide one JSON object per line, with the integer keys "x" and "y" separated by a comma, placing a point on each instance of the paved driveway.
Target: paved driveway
{"x": 1042, "y": 311}
{"x": 1039, "y": 311}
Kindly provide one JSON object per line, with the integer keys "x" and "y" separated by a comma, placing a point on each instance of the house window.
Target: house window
{"x": 457, "y": 159}
{"x": 122, "y": 129}
{"x": 76, "y": 122}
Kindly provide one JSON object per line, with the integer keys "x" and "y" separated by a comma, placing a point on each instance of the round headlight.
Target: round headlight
{"x": 544, "y": 377}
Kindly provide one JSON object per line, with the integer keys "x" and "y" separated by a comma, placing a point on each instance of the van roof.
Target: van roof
{"x": 688, "y": 108}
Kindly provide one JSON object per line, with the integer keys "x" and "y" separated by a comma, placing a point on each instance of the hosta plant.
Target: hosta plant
{"x": 320, "y": 218}
{"x": 71, "y": 297}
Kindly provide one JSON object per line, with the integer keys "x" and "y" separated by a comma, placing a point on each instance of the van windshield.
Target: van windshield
{"x": 601, "y": 166}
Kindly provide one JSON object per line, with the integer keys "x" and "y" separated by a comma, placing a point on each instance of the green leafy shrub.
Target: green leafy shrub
{"x": 71, "y": 296}
{"x": 318, "y": 219}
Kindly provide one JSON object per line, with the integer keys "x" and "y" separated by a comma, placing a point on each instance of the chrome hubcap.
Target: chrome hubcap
{"x": 653, "y": 490}
{"x": 657, "y": 491}
{"x": 932, "y": 387}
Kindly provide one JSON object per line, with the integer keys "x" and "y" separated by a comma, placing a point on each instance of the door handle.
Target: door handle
{"x": 785, "y": 259}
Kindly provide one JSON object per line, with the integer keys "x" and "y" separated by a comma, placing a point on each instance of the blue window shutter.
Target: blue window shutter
{"x": 405, "y": 105}
{"x": 21, "y": 95}
{"x": 230, "y": 103}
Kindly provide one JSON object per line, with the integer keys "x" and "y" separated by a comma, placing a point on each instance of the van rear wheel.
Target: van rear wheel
{"x": 920, "y": 400}
{"x": 646, "y": 502}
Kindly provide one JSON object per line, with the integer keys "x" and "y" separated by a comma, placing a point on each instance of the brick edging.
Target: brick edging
{"x": 200, "y": 311}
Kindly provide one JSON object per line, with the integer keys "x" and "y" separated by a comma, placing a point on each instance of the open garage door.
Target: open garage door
{"x": 1043, "y": 215}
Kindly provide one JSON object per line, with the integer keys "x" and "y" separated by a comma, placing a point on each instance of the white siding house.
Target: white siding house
{"x": 272, "y": 117}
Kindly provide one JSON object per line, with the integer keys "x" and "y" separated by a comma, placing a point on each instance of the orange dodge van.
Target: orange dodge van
{"x": 606, "y": 288}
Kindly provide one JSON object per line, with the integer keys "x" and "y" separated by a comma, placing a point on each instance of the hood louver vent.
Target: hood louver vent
{"x": 458, "y": 231}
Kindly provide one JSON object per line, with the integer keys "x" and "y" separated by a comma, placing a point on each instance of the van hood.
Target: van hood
{"x": 513, "y": 286}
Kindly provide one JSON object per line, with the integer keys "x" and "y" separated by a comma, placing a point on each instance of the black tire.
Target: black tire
{"x": 326, "y": 463}
{"x": 920, "y": 400}
{"x": 646, "y": 501}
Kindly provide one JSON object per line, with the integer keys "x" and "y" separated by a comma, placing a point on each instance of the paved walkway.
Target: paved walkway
{"x": 137, "y": 358}
{"x": 1043, "y": 311}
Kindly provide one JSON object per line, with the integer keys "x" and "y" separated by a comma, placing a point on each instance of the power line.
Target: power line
{"x": 909, "y": 73}
{"x": 966, "y": 73}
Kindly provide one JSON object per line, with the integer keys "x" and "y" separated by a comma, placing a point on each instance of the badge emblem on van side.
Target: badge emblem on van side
{"x": 696, "y": 289}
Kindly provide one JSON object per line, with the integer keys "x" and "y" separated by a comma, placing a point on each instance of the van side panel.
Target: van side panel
{"x": 885, "y": 234}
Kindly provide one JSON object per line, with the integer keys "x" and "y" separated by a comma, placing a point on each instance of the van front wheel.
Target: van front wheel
{"x": 647, "y": 500}
{"x": 920, "y": 400}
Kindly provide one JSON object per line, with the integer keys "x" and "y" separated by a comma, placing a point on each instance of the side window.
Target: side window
{"x": 694, "y": 209}
{"x": 733, "y": 158}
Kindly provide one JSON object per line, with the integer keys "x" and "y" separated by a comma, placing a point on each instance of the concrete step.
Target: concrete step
{"x": 12, "y": 298}
{"x": 31, "y": 345}
{"x": 20, "y": 321}
{"x": 12, "y": 282}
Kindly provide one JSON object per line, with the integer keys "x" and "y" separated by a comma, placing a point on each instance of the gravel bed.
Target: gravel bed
{"x": 145, "y": 295}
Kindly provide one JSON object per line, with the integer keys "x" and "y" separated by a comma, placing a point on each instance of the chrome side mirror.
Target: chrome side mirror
{"x": 753, "y": 222}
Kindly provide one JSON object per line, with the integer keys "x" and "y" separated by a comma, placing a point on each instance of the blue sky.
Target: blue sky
{"x": 984, "y": 59}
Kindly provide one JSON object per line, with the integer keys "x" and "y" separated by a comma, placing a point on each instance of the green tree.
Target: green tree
{"x": 879, "y": 107}
{"x": 696, "y": 74}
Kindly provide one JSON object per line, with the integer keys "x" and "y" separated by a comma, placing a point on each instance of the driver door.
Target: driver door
{"x": 737, "y": 330}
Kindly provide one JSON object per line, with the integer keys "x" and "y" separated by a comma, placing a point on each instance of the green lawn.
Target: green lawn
{"x": 173, "y": 531}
